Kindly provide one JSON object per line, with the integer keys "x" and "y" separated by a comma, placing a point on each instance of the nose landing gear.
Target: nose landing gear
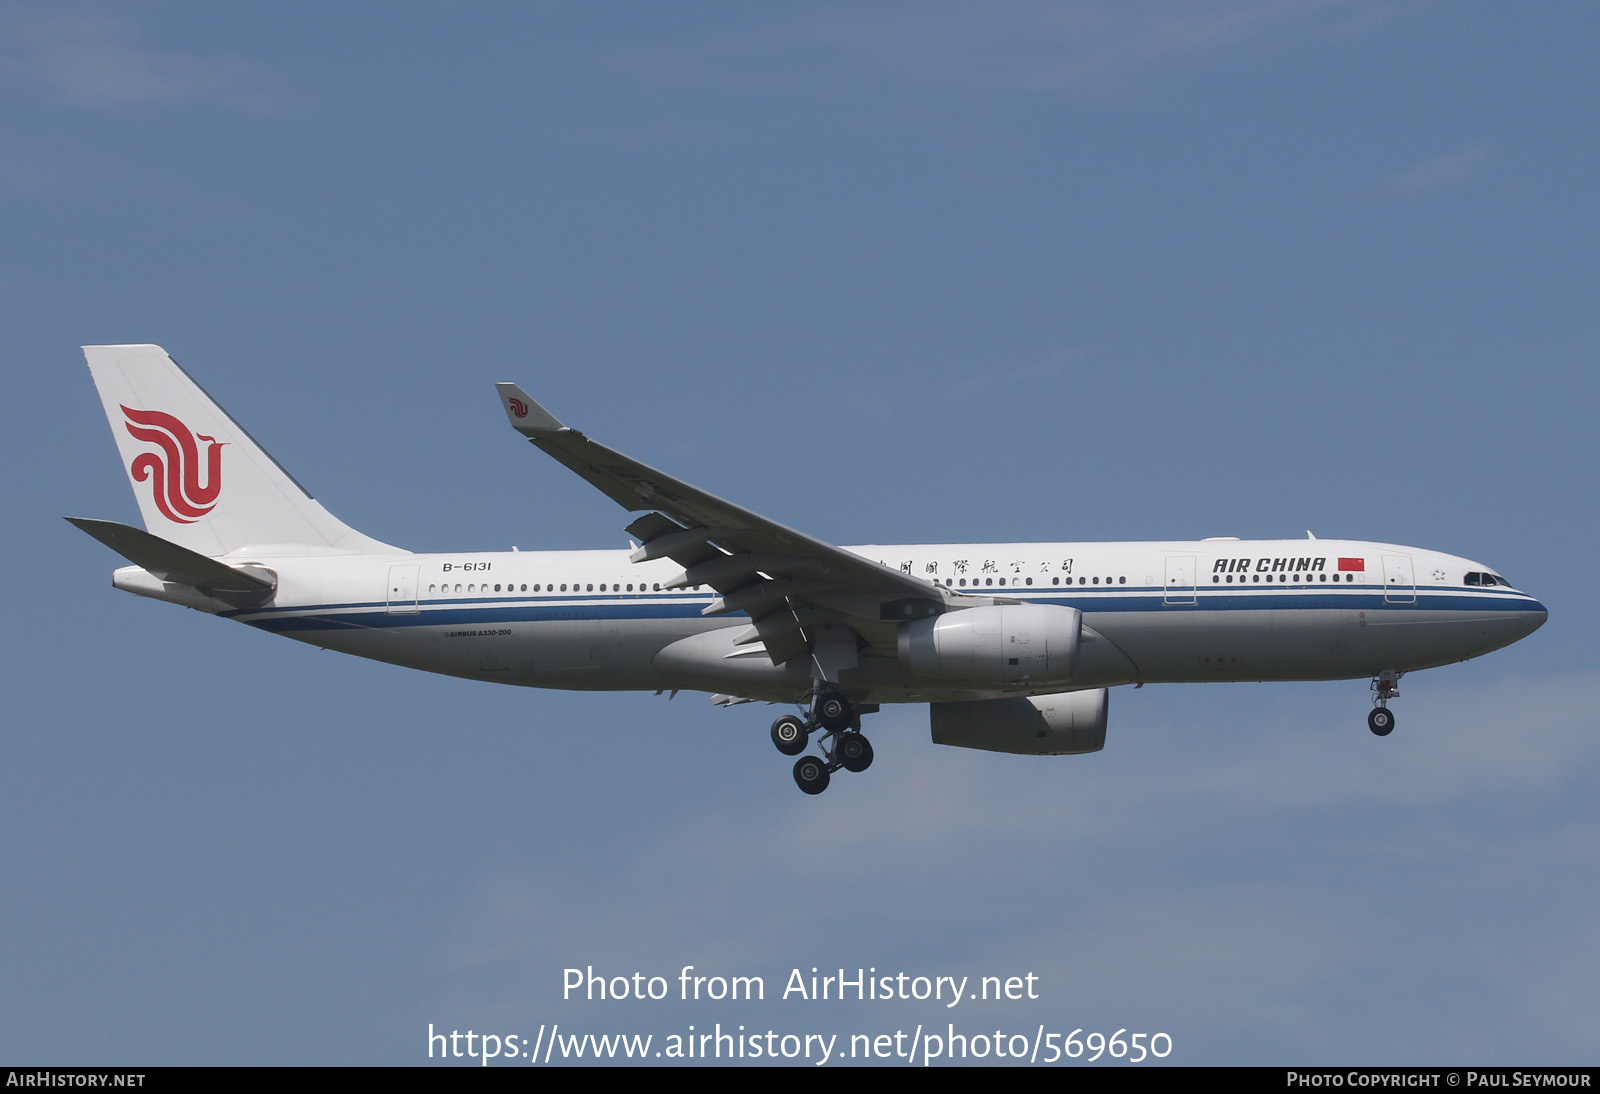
{"x": 842, "y": 743}
{"x": 1385, "y": 685}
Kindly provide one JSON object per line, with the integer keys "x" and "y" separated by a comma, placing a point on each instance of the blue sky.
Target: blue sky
{"x": 885, "y": 273}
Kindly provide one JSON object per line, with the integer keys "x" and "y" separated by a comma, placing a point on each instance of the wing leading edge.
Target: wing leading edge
{"x": 804, "y": 596}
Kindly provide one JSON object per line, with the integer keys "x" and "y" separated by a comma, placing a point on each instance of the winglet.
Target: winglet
{"x": 527, "y": 417}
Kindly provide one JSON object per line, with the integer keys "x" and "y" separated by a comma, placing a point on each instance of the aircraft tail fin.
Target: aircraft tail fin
{"x": 202, "y": 482}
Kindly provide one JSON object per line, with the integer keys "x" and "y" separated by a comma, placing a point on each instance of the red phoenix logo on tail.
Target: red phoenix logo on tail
{"x": 176, "y": 484}
{"x": 518, "y": 407}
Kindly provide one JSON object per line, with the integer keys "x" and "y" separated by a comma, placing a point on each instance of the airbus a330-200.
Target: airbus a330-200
{"x": 1013, "y": 646}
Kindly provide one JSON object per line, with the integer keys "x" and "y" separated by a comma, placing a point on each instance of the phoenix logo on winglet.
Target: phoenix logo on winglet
{"x": 518, "y": 407}
{"x": 176, "y": 481}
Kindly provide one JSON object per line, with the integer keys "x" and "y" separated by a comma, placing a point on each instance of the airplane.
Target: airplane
{"x": 1013, "y": 646}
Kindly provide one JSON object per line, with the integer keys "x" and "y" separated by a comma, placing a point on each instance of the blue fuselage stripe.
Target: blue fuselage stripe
{"x": 458, "y": 611}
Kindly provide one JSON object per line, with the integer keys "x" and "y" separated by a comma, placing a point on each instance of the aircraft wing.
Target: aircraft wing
{"x": 794, "y": 587}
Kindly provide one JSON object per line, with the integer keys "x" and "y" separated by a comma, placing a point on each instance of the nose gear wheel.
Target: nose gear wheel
{"x": 1385, "y": 686}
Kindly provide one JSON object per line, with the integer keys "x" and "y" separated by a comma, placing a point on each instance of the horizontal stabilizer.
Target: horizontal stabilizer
{"x": 170, "y": 562}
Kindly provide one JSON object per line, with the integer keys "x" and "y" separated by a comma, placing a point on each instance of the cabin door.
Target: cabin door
{"x": 403, "y": 589}
{"x": 1399, "y": 587}
{"x": 1179, "y": 588}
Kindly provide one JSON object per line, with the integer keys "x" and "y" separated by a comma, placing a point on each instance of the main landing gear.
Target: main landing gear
{"x": 842, "y": 744}
{"x": 1385, "y": 685}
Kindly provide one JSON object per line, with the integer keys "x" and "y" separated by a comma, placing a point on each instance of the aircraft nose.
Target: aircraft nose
{"x": 1527, "y": 617}
{"x": 1534, "y": 616}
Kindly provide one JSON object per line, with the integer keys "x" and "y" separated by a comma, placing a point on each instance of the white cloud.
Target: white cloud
{"x": 1430, "y": 174}
{"x": 1243, "y": 881}
{"x": 1023, "y": 45}
{"x": 94, "y": 61}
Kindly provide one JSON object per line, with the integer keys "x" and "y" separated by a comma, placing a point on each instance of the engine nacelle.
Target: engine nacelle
{"x": 1068, "y": 724}
{"x": 995, "y": 646}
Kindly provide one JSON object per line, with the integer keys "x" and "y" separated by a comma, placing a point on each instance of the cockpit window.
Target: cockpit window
{"x": 1481, "y": 578}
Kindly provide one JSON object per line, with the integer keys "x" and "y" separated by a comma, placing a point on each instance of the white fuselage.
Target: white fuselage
{"x": 1013, "y": 646}
{"x": 1152, "y": 612}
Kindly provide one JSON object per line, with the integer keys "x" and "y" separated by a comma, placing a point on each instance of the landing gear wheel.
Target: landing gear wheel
{"x": 1381, "y": 721}
{"x": 790, "y": 735}
{"x": 811, "y": 774}
{"x": 853, "y": 751}
{"x": 832, "y": 712}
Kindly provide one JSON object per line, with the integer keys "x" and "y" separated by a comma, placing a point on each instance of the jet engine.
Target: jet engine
{"x": 1068, "y": 724}
{"x": 999, "y": 645}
